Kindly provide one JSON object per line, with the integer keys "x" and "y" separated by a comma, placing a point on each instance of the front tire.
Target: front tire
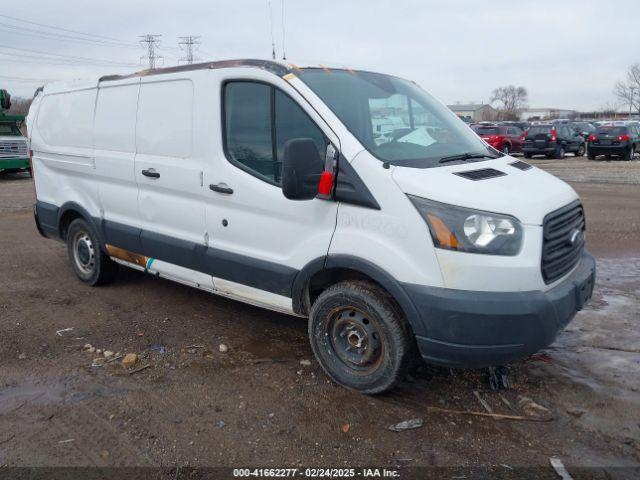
{"x": 360, "y": 337}
{"x": 90, "y": 264}
{"x": 580, "y": 151}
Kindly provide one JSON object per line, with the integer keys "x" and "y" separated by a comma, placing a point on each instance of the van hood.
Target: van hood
{"x": 528, "y": 195}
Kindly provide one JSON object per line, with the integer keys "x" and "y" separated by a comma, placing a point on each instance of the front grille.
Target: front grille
{"x": 563, "y": 241}
{"x": 481, "y": 174}
{"x": 13, "y": 149}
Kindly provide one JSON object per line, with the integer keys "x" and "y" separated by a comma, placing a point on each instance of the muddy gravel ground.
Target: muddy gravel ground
{"x": 258, "y": 405}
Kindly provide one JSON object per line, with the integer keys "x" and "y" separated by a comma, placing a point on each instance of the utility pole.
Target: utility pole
{"x": 189, "y": 45}
{"x": 631, "y": 100}
{"x": 151, "y": 43}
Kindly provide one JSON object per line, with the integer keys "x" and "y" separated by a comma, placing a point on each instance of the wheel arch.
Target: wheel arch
{"x": 68, "y": 213}
{"x": 323, "y": 272}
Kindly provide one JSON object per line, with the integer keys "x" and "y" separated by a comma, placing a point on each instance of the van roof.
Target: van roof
{"x": 279, "y": 68}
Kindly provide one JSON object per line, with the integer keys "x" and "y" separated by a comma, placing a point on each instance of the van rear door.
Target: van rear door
{"x": 261, "y": 239}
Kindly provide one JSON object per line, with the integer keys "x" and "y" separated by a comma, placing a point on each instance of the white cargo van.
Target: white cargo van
{"x": 265, "y": 182}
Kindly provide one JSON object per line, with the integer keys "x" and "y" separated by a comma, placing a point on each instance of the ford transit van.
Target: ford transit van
{"x": 269, "y": 183}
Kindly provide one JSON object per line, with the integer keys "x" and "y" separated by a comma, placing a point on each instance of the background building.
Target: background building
{"x": 475, "y": 112}
{"x": 546, "y": 113}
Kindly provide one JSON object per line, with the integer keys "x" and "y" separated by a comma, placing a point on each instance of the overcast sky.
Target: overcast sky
{"x": 567, "y": 53}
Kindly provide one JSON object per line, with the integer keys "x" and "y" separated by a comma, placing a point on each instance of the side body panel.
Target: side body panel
{"x": 171, "y": 204}
{"x": 61, "y": 139}
{"x": 114, "y": 151}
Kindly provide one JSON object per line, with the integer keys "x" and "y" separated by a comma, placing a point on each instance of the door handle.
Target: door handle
{"x": 221, "y": 188}
{"x": 151, "y": 173}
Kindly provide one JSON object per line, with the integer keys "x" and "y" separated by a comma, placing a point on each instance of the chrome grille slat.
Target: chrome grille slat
{"x": 13, "y": 148}
{"x": 559, "y": 254}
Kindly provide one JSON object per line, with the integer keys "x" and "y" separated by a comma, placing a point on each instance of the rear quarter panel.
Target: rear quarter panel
{"x": 61, "y": 131}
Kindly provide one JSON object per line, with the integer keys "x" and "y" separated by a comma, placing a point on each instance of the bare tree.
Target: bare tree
{"x": 510, "y": 100}
{"x": 628, "y": 90}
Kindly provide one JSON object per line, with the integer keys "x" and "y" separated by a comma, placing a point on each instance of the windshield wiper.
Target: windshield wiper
{"x": 463, "y": 157}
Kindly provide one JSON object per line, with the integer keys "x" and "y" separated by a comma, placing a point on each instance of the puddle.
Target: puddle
{"x": 14, "y": 398}
{"x": 597, "y": 358}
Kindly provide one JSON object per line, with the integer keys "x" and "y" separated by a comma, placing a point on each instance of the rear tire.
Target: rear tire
{"x": 581, "y": 150}
{"x": 506, "y": 150}
{"x": 360, "y": 337}
{"x": 560, "y": 152}
{"x": 591, "y": 156}
{"x": 90, "y": 263}
{"x": 527, "y": 155}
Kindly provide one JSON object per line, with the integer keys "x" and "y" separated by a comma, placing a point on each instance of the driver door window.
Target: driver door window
{"x": 259, "y": 120}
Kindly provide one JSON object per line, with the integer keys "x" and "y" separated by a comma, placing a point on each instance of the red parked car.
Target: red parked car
{"x": 506, "y": 138}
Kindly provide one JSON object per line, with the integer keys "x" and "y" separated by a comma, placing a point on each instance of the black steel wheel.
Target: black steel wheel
{"x": 360, "y": 337}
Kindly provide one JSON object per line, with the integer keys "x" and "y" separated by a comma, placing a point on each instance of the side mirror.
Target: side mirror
{"x": 301, "y": 169}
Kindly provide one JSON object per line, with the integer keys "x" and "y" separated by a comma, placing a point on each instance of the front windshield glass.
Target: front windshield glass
{"x": 394, "y": 119}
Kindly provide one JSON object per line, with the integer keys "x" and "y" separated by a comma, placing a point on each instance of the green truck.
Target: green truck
{"x": 14, "y": 153}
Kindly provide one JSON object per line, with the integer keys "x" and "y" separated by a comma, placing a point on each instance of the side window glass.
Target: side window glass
{"x": 292, "y": 122}
{"x": 247, "y": 110}
{"x": 259, "y": 121}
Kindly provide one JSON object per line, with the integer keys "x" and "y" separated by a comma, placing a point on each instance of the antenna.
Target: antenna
{"x": 151, "y": 43}
{"x": 284, "y": 55}
{"x": 273, "y": 42}
{"x": 189, "y": 44}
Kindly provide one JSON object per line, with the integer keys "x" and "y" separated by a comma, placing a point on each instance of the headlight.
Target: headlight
{"x": 467, "y": 230}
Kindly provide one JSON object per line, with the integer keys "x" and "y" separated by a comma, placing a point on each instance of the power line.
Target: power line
{"x": 189, "y": 45}
{"x": 24, "y": 79}
{"x": 69, "y": 57}
{"x": 58, "y": 36}
{"x": 42, "y": 60}
{"x": 53, "y": 27}
{"x": 151, "y": 43}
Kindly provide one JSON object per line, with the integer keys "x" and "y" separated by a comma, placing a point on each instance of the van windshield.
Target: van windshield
{"x": 394, "y": 119}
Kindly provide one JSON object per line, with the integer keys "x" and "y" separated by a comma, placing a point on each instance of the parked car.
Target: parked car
{"x": 504, "y": 138}
{"x": 522, "y": 125}
{"x": 552, "y": 140}
{"x": 611, "y": 140}
{"x": 583, "y": 128}
{"x": 263, "y": 182}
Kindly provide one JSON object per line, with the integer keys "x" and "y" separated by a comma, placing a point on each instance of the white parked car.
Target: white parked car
{"x": 263, "y": 182}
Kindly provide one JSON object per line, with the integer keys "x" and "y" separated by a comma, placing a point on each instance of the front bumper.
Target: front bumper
{"x": 470, "y": 329}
